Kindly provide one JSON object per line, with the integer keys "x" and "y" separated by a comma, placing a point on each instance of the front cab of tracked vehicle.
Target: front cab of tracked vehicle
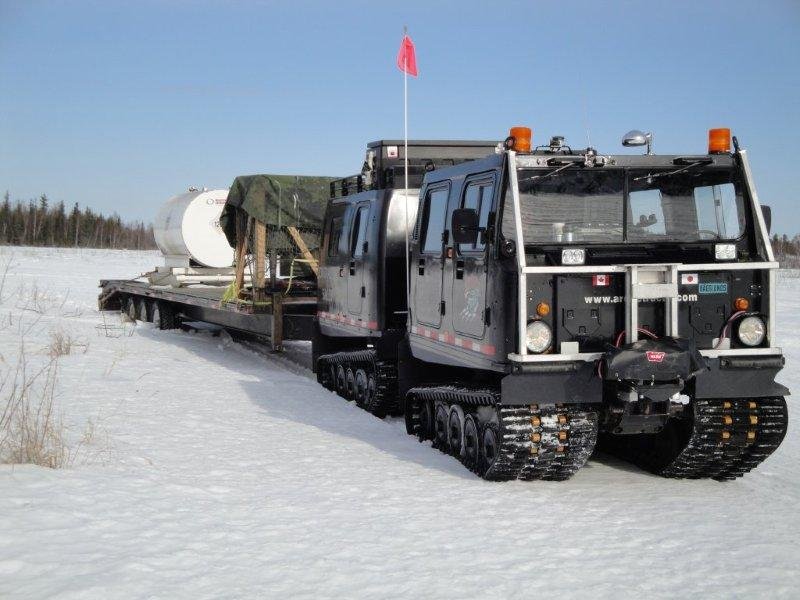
{"x": 642, "y": 284}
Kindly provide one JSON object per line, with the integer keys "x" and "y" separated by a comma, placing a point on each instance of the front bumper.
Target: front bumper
{"x": 574, "y": 379}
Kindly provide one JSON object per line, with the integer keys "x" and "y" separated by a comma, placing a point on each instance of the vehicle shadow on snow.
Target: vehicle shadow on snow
{"x": 619, "y": 464}
{"x": 287, "y": 391}
{"x": 299, "y": 398}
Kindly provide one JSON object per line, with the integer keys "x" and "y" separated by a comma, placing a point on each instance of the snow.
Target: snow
{"x": 218, "y": 472}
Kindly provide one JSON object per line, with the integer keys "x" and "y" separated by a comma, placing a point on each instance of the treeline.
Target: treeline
{"x": 787, "y": 250}
{"x": 41, "y": 223}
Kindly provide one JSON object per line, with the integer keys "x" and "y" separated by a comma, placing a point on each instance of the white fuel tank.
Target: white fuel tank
{"x": 187, "y": 227}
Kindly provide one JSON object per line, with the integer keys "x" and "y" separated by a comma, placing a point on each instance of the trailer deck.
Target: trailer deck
{"x": 279, "y": 317}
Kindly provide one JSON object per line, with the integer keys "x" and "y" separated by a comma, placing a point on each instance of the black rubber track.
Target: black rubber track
{"x": 715, "y": 439}
{"x": 384, "y": 399}
{"x": 535, "y": 442}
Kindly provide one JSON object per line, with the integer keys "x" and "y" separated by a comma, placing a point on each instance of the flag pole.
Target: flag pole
{"x": 405, "y": 165}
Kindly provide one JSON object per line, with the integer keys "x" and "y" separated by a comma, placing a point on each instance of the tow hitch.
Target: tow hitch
{"x": 644, "y": 381}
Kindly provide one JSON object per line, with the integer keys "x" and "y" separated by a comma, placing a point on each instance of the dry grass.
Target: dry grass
{"x": 117, "y": 326}
{"x": 31, "y": 429}
{"x": 62, "y": 343}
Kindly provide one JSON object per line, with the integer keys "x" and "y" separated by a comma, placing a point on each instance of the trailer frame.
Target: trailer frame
{"x": 281, "y": 317}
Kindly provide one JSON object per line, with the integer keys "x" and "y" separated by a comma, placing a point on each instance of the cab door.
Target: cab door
{"x": 429, "y": 260}
{"x": 469, "y": 265}
{"x": 355, "y": 261}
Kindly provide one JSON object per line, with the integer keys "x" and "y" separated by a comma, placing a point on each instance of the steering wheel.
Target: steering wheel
{"x": 714, "y": 234}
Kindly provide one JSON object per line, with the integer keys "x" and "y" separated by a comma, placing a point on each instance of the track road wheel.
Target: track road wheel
{"x": 440, "y": 425}
{"x": 361, "y": 387}
{"x": 426, "y": 425}
{"x": 350, "y": 383}
{"x": 144, "y": 311}
{"x": 488, "y": 448}
{"x": 372, "y": 388}
{"x": 455, "y": 430}
{"x": 341, "y": 381}
{"x": 324, "y": 376}
{"x": 331, "y": 377}
{"x": 470, "y": 449}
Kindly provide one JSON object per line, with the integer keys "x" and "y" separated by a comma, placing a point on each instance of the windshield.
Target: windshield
{"x": 590, "y": 205}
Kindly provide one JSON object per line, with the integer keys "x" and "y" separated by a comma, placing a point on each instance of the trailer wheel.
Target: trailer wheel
{"x": 144, "y": 311}
{"x": 131, "y": 309}
{"x": 164, "y": 315}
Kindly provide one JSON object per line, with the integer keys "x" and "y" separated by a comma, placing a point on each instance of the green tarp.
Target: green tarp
{"x": 277, "y": 201}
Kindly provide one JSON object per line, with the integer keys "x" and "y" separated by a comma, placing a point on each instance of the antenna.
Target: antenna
{"x": 586, "y": 119}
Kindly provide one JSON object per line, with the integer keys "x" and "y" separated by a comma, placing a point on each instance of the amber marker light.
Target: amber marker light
{"x": 522, "y": 138}
{"x": 543, "y": 309}
{"x": 741, "y": 304}
{"x": 719, "y": 141}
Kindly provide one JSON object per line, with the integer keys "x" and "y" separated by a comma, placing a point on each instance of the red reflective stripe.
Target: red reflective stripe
{"x": 450, "y": 339}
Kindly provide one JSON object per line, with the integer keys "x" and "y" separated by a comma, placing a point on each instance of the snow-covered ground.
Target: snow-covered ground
{"x": 216, "y": 472}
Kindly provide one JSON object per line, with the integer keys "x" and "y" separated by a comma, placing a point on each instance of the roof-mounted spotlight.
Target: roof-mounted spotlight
{"x": 638, "y": 138}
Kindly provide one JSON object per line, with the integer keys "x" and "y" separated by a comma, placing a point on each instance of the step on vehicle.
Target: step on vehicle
{"x": 558, "y": 299}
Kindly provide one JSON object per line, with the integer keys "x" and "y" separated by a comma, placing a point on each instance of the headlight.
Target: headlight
{"x": 573, "y": 256}
{"x": 725, "y": 251}
{"x": 538, "y": 336}
{"x": 751, "y": 331}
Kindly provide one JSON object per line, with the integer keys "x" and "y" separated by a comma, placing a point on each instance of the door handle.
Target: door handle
{"x": 460, "y": 268}
{"x": 352, "y": 267}
{"x": 421, "y": 265}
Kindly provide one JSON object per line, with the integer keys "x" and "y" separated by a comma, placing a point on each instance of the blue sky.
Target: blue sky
{"x": 120, "y": 105}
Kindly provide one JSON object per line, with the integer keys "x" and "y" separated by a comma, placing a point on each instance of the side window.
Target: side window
{"x": 718, "y": 210}
{"x": 359, "y": 232}
{"x": 434, "y": 213}
{"x": 479, "y": 196}
{"x": 334, "y": 234}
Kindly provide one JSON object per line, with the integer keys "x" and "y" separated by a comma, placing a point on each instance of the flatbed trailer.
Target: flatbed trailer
{"x": 278, "y": 318}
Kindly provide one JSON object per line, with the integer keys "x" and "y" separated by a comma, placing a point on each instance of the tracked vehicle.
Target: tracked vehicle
{"x": 555, "y": 300}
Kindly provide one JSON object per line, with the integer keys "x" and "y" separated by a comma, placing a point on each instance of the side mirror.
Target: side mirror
{"x": 638, "y": 138}
{"x": 465, "y": 226}
{"x": 767, "y": 212}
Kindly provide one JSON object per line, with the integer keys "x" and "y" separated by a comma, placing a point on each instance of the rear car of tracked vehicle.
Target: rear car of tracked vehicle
{"x": 360, "y": 326}
{"x": 562, "y": 297}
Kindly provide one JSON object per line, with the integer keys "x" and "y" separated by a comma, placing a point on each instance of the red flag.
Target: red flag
{"x": 406, "y": 57}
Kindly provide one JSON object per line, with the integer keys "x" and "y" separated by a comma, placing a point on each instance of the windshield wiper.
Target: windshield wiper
{"x": 649, "y": 177}
{"x": 551, "y": 173}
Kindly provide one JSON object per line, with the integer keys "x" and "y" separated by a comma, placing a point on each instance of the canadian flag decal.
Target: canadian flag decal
{"x": 655, "y": 357}
{"x": 600, "y": 280}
